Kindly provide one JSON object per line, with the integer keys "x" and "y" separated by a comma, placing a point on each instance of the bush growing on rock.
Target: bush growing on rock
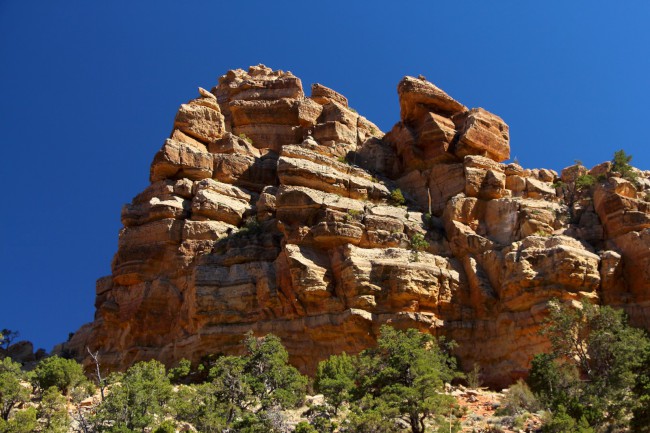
{"x": 24, "y": 421}
{"x": 399, "y": 381}
{"x": 12, "y": 392}
{"x": 64, "y": 374}
{"x": 397, "y": 198}
{"x": 621, "y": 164}
{"x": 597, "y": 344}
{"x": 137, "y": 399}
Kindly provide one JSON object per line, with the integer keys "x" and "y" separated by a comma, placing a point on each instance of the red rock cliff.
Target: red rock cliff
{"x": 271, "y": 211}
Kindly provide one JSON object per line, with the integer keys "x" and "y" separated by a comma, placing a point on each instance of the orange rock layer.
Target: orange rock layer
{"x": 271, "y": 211}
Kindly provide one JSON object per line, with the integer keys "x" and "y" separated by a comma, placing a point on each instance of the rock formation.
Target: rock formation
{"x": 276, "y": 212}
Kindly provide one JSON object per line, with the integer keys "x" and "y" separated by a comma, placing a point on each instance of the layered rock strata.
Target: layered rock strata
{"x": 275, "y": 212}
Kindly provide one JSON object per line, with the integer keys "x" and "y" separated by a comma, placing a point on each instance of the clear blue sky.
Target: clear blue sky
{"x": 88, "y": 92}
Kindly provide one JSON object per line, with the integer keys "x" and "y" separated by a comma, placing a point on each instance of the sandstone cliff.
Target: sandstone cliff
{"x": 276, "y": 212}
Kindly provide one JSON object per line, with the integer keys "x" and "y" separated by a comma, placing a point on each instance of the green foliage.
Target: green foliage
{"x": 418, "y": 243}
{"x": 427, "y": 221}
{"x": 404, "y": 375}
{"x": 53, "y": 411}
{"x": 370, "y": 415}
{"x": 64, "y": 374}
{"x": 352, "y": 215}
{"x": 7, "y": 336}
{"x": 562, "y": 422}
{"x": 166, "y": 427}
{"x": 271, "y": 378}
{"x": 621, "y": 164}
{"x": 597, "y": 343}
{"x": 473, "y": 378}
{"x": 335, "y": 379}
{"x": 585, "y": 181}
{"x": 199, "y": 406}
{"x": 397, "y": 198}
{"x": 246, "y": 138}
{"x": 519, "y": 399}
{"x": 12, "y": 392}
{"x": 641, "y": 414}
{"x": 251, "y": 226}
{"x": 305, "y": 427}
{"x": 231, "y": 387}
{"x": 244, "y": 392}
{"x": 180, "y": 373}
{"x": 321, "y": 418}
{"x": 555, "y": 383}
{"x": 137, "y": 399}
{"x": 24, "y": 421}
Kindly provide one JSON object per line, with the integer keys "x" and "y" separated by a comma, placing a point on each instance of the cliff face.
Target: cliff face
{"x": 275, "y": 212}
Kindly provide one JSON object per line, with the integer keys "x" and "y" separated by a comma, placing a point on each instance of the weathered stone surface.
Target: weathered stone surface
{"x": 324, "y": 95}
{"x": 415, "y": 92}
{"x": 201, "y": 119}
{"x": 538, "y": 268}
{"x": 619, "y": 210}
{"x": 277, "y": 112}
{"x": 230, "y": 144}
{"x": 259, "y": 82}
{"x": 482, "y": 133}
{"x": 163, "y": 199}
{"x": 177, "y": 160}
{"x": 484, "y": 178}
{"x": 271, "y": 212}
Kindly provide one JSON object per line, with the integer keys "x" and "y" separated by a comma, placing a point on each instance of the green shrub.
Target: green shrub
{"x": 585, "y": 181}
{"x": 418, "y": 243}
{"x": 53, "y": 412}
{"x": 335, "y": 379}
{"x": 180, "y": 373}
{"x": 474, "y": 377}
{"x": 12, "y": 393}
{"x": 352, "y": 215}
{"x": 621, "y": 164}
{"x": 246, "y": 138}
{"x": 166, "y": 427}
{"x": 24, "y": 421}
{"x": 597, "y": 344}
{"x": 518, "y": 399}
{"x": 64, "y": 374}
{"x": 305, "y": 427}
{"x": 144, "y": 390}
{"x": 562, "y": 422}
{"x": 397, "y": 198}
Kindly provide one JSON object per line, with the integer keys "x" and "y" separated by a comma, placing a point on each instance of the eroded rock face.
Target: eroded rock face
{"x": 273, "y": 211}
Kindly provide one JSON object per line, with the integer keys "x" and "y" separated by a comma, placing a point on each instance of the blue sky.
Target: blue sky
{"x": 88, "y": 92}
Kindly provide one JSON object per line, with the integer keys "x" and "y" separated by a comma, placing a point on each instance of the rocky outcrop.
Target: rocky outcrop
{"x": 273, "y": 211}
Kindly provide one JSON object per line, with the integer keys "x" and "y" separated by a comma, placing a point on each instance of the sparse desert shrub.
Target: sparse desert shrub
{"x": 246, "y": 138}
{"x": 474, "y": 377}
{"x": 585, "y": 181}
{"x": 418, "y": 243}
{"x": 397, "y": 198}
{"x": 519, "y": 399}
{"x": 621, "y": 164}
